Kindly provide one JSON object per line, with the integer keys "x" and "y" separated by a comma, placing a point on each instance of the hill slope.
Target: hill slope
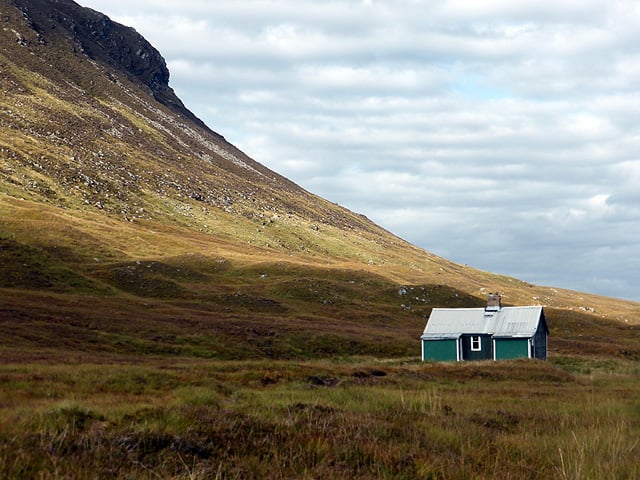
{"x": 128, "y": 226}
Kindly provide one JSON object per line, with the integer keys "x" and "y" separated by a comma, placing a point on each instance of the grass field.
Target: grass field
{"x": 569, "y": 418}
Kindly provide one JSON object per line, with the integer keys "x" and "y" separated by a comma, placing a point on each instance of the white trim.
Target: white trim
{"x": 474, "y": 339}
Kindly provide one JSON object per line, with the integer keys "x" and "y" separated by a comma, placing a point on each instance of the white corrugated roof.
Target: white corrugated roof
{"x": 508, "y": 322}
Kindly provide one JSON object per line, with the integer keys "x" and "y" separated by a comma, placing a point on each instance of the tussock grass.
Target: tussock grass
{"x": 357, "y": 418}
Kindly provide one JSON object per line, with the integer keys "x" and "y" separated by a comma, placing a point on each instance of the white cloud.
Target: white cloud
{"x": 500, "y": 134}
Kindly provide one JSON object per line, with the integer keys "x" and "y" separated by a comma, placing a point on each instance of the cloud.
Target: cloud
{"x": 499, "y": 134}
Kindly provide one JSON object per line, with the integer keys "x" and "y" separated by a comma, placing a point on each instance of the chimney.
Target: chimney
{"x": 494, "y": 302}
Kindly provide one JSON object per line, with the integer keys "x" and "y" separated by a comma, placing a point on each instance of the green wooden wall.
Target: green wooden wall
{"x": 506, "y": 348}
{"x": 440, "y": 350}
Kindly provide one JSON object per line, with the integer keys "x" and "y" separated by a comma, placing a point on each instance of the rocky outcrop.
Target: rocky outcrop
{"x": 105, "y": 41}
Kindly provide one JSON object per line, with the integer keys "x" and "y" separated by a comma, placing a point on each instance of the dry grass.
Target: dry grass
{"x": 355, "y": 419}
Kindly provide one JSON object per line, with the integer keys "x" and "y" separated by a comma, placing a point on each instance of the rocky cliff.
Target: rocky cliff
{"x": 110, "y": 43}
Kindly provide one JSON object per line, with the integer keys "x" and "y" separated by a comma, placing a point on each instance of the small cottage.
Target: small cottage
{"x": 490, "y": 333}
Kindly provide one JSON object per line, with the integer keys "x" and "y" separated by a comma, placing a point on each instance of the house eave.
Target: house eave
{"x": 512, "y": 336}
{"x": 439, "y": 337}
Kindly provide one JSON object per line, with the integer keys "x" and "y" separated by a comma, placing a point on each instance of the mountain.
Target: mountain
{"x": 128, "y": 226}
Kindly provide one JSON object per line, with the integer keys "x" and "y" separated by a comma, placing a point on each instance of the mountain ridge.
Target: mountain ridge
{"x": 114, "y": 194}
{"x": 94, "y": 34}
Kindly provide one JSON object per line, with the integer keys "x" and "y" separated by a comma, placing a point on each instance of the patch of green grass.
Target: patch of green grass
{"x": 593, "y": 365}
{"x": 25, "y": 267}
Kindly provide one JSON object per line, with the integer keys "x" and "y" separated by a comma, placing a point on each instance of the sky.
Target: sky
{"x": 504, "y": 135}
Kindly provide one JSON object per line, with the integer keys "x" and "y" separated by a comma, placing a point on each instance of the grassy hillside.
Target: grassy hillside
{"x": 127, "y": 226}
{"x": 88, "y": 283}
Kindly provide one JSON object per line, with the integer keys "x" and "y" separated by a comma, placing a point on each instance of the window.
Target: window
{"x": 476, "y": 345}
